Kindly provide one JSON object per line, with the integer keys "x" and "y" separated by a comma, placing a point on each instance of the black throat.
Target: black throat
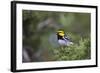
{"x": 59, "y": 37}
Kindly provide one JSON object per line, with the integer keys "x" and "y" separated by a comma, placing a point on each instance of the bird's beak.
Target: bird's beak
{"x": 56, "y": 33}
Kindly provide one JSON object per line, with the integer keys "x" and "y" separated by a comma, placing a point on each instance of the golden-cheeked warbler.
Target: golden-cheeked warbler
{"x": 63, "y": 40}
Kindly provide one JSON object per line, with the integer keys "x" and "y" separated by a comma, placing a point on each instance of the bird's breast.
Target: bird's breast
{"x": 64, "y": 42}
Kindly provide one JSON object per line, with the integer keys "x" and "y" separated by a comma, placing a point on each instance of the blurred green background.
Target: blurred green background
{"x": 40, "y": 40}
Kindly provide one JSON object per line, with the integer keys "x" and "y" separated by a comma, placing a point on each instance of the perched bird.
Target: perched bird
{"x": 63, "y": 40}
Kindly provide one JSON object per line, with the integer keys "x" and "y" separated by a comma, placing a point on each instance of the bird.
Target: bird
{"x": 63, "y": 40}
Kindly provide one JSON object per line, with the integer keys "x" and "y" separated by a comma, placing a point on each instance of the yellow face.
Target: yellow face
{"x": 61, "y": 33}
